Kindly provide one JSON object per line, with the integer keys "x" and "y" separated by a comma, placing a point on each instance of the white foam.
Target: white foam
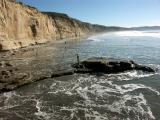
{"x": 68, "y": 93}
{"x": 156, "y": 66}
{"x": 120, "y": 89}
{"x": 98, "y": 38}
{"x": 94, "y": 39}
{"x": 137, "y": 34}
{"x": 129, "y": 75}
{"x": 72, "y": 110}
{"x": 53, "y": 85}
{"x": 132, "y": 87}
{"x": 6, "y": 99}
{"x": 83, "y": 92}
{"x": 140, "y": 106}
{"x": 101, "y": 93}
{"x": 88, "y": 113}
{"x": 113, "y": 90}
{"x": 39, "y": 113}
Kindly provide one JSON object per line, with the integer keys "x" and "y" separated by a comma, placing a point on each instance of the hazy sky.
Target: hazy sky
{"x": 106, "y": 12}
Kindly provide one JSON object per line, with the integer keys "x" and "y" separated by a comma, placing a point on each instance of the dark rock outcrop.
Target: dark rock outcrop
{"x": 63, "y": 73}
{"x": 10, "y": 78}
{"x": 108, "y": 66}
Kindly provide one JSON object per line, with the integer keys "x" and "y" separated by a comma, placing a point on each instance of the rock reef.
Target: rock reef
{"x": 22, "y": 25}
{"x": 11, "y": 77}
{"x": 109, "y": 66}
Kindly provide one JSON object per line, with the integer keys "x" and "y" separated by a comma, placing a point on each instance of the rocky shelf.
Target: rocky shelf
{"x": 9, "y": 80}
{"x": 109, "y": 66}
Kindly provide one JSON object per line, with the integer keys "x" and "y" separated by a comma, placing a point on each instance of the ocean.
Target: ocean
{"x": 132, "y": 95}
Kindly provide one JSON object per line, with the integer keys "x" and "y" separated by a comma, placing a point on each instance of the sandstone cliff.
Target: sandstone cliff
{"x": 22, "y": 25}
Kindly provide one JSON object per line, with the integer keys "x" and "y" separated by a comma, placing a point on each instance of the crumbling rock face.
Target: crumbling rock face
{"x": 22, "y": 25}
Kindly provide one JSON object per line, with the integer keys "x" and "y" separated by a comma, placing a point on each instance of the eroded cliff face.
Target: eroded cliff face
{"x": 22, "y": 25}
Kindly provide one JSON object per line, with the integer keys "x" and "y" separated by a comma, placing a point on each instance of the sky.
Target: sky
{"x": 124, "y": 13}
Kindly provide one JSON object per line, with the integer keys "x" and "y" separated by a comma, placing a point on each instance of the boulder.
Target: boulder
{"x": 108, "y": 66}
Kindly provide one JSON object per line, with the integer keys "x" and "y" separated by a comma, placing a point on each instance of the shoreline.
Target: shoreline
{"x": 21, "y": 66}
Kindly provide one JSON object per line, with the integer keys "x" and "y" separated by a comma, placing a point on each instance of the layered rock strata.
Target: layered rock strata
{"x": 22, "y": 25}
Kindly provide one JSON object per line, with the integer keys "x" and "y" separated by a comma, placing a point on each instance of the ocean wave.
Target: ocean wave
{"x": 95, "y": 39}
{"x": 117, "y": 101}
{"x": 130, "y": 75}
{"x": 98, "y": 38}
{"x": 89, "y": 114}
{"x": 6, "y": 99}
{"x": 98, "y": 99}
{"x": 138, "y": 34}
{"x": 156, "y": 66}
{"x": 40, "y": 114}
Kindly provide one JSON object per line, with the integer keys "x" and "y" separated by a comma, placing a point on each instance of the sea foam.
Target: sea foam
{"x": 138, "y": 34}
{"x": 115, "y": 100}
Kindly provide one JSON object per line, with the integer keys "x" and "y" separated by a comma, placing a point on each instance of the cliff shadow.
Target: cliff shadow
{"x": 34, "y": 30}
{"x": 1, "y": 48}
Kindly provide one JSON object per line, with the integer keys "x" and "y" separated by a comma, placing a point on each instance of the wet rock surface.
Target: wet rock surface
{"x": 24, "y": 66}
{"x": 33, "y": 64}
{"x": 109, "y": 65}
{"x": 11, "y": 77}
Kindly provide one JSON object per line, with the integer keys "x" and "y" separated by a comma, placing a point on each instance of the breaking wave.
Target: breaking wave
{"x": 95, "y": 39}
{"x": 101, "y": 99}
{"x": 87, "y": 97}
{"x": 138, "y": 34}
